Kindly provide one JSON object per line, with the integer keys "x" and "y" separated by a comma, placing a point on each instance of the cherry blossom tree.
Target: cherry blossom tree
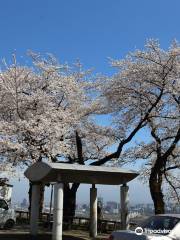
{"x": 45, "y": 116}
{"x": 38, "y": 109}
{"x": 160, "y": 154}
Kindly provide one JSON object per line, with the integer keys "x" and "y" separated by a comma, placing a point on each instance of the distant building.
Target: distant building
{"x": 112, "y": 204}
{"x": 24, "y": 203}
{"x": 100, "y": 201}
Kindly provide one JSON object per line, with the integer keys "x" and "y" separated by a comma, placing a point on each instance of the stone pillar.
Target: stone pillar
{"x": 124, "y": 206}
{"x": 34, "y": 214}
{"x": 58, "y": 211}
{"x": 93, "y": 211}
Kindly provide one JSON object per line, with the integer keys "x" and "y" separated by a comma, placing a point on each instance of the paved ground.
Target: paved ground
{"x": 22, "y": 233}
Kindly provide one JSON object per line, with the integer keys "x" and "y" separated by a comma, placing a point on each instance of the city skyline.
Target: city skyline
{"x": 109, "y": 193}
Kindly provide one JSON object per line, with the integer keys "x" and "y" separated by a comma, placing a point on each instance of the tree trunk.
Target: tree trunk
{"x": 69, "y": 204}
{"x": 30, "y": 197}
{"x": 41, "y": 200}
{"x": 155, "y": 185}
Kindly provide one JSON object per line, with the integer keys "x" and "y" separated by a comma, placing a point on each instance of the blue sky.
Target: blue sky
{"x": 91, "y": 30}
